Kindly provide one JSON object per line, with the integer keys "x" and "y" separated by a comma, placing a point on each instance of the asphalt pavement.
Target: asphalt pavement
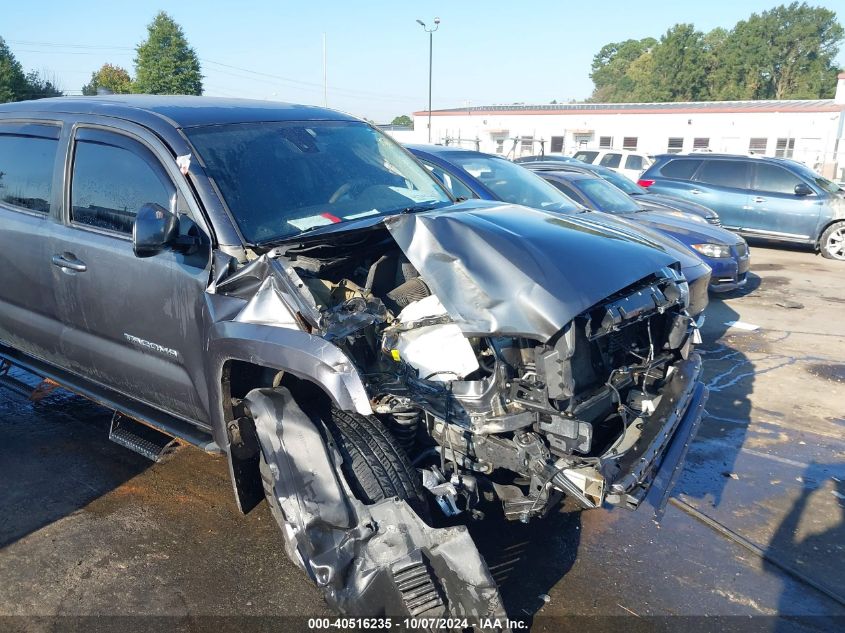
{"x": 94, "y": 535}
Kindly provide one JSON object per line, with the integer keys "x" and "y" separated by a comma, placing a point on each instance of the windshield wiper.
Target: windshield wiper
{"x": 418, "y": 208}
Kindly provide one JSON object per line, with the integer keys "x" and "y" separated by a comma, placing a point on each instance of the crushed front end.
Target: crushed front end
{"x": 515, "y": 358}
{"x": 498, "y": 385}
{"x": 588, "y": 414}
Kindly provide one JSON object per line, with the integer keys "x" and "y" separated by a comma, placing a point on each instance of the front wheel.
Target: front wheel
{"x": 832, "y": 242}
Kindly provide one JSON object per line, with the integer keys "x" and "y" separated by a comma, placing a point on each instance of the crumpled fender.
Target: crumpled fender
{"x": 380, "y": 559}
{"x": 292, "y": 350}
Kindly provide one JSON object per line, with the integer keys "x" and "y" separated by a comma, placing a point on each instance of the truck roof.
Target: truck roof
{"x": 181, "y": 111}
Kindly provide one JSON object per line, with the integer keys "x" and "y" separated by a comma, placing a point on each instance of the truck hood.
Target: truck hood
{"x": 510, "y": 270}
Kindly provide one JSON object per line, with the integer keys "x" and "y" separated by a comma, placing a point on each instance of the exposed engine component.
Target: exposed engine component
{"x": 423, "y": 338}
{"x": 403, "y": 419}
{"x": 412, "y": 290}
{"x": 527, "y": 420}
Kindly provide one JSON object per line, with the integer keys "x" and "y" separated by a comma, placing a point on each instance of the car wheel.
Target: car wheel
{"x": 374, "y": 464}
{"x": 832, "y": 242}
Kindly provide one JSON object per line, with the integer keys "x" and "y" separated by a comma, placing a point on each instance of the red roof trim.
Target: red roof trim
{"x": 713, "y": 110}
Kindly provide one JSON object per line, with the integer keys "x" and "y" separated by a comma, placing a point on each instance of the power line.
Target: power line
{"x": 93, "y": 49}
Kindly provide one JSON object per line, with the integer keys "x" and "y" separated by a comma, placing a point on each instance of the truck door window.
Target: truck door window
{"x": 26, "y": 166}
{"x": 111, "y": 181}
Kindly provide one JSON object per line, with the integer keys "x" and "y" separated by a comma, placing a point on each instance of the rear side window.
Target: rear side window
{"x": 611, "y": 160}
{"x": 113, "y": 177}
{"x": 724, "y": 173}
{"x": 26, "y": 166}
{"x": 775, "y": 179}
{"x": 680, "y": 168}
{"x": 586, "y": 156}
{"x": 634, "y": 162}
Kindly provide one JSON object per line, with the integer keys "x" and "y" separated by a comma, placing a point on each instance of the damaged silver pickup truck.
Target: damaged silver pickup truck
{"x": 287, "y": 286}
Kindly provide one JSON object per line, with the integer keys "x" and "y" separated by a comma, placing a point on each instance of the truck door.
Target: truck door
{"x": 132, "y": 324}
{"x": 29, "y": 204}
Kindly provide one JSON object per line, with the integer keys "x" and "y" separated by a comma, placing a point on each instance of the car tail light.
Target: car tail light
{"x": 645, "y": 182}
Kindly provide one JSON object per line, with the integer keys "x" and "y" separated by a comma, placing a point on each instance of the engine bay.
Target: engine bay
{"x": 496, "y": 417}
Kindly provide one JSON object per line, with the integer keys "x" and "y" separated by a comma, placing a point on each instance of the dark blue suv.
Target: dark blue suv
{"x": 768, "y": 198}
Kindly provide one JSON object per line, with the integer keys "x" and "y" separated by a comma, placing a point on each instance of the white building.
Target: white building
{"x": 807, "y": 130}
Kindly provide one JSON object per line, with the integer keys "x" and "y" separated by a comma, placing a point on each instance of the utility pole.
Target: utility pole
{"x": 430, "y": 61}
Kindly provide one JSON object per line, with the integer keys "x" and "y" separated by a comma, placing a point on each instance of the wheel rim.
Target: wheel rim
{"x": 835, "y": 245}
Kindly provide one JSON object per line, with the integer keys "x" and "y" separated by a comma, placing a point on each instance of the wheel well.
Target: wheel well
{"x": 237, "y": 379}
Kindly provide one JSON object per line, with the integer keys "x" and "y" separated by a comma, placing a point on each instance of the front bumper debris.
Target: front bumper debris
{"x": 647, "y": 472}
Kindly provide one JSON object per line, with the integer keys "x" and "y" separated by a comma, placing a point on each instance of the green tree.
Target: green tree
{"x": 679, "y": 71}
{"x": 110, "y": 77}
{"x": 13, "y": 85}
{"x": 788, "y": 52}
{"x": 165, "y": 63}
{"x": 39, "y": 87}
{"x": 610, "y": 69}
{"x": 403, "y": 119}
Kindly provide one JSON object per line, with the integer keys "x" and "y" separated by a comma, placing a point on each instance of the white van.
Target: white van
{"x": 626, "y": 162}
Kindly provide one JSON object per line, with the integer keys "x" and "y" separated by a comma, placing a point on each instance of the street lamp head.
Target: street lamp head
{"x": 421, "y": 23}
{"x": 437, "y": 20}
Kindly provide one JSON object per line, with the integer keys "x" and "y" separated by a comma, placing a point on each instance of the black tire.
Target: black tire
{"x": 374, "y": 465}
{"x": 829, "y": 247}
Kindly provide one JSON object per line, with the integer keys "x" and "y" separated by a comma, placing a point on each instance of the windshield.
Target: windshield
{"x": 821, "y": 181}
{"x": 512, "y": 183}
{"x": 605, "y": 196}
{"x": 623, "y": 182}
{"x": 281, "y": 178}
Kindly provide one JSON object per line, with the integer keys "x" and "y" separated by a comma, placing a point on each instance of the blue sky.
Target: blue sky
{"x": 484, "y": 53}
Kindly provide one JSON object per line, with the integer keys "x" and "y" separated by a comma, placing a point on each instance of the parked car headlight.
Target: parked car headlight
{"x": 713, "y": 250}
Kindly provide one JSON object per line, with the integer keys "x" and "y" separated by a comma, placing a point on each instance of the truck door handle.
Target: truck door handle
{"x": 695, "y": 192}
{"x": 759, "y": 199}
{"x": 71, "y": 264}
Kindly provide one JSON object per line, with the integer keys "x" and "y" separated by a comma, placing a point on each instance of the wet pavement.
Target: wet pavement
{"x": 89, "y": 528}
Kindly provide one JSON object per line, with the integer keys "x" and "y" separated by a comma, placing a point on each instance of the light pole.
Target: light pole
{"x": 430, "y": 58}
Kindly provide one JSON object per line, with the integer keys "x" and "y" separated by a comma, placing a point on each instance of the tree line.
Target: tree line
{"x": 788, "y": 52}
{"x": 164, "y": 64}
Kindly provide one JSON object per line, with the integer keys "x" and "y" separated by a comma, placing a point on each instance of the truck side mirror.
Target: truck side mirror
{"x": 803, "y": 189}
{"x": 155, "y": 229}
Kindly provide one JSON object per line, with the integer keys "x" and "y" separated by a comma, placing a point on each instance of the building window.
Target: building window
{"x": 785, "y": 147}
{"x": 526, "y": 145}
{"x": 500, "y": 146}
{"x": 676, "y": 145}
{"x": 700, "y": 144}
{"x": 605, "y": 142}
{"x": 556, "y": 146}
{"x": 629, "y": 143}
{"x": 757, "y": 145}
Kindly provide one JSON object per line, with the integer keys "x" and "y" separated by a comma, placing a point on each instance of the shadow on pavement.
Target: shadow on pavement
{"x": 56, "y": 459}
{"x": 801, "y": 544}
{"x": 527, "y": 560}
